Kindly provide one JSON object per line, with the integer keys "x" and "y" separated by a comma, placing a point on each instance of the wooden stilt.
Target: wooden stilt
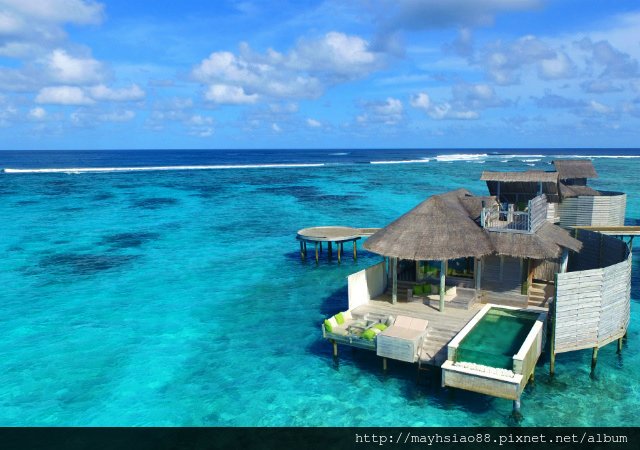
{"x": 443, "y": 274}
{"x": 594, "y": 358}
{"x": 305, "y": 249}
{"x": 301, "y": 250}
{"x": 355, "y": 250}
{"x": 532, "y": 377}
{"x": 330, "y": 248}
{"x": 394, "y": 280}
{"x": 316, "y": 252}
{"x": 384, "y": 364}
{"x": 335, "y": 349}
{"x": 552, "y": 317}
{"x": 339, "y": 252}
{"x": 620, "y": 345}
{"x": 516, "y": 406}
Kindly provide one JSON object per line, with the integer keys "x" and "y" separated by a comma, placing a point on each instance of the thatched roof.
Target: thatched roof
{"x": 445, "y": 227}
{"x": 438, "y": 228}
{"x": 546, "y": 242}
{"x": 575, "y": 191}
{"x": 520, "y": 177}
{"x": 575, "y": 168}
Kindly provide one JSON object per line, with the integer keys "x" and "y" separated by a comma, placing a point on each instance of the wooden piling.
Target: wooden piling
{"x": 532, "y": 377}
{"x": 355, "y": 250}
{"x": 339, "y": 252}
{"x": 316, "y": 252}
{"x": 330, "y": 248}
{"x": 594, "y": 358}
{"x": 301, "y": 250}
{"x": 335, "y": 349}
{"x": 552, "y": 317}
{"x": 620, "y": 345}
{"x": 384, "y": 364}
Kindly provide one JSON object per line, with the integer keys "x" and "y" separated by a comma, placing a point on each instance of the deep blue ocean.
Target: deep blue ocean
{"x": 177, "y": 297}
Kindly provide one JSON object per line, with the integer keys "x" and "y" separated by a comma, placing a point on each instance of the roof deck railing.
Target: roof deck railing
{"x": 499, "y": 218}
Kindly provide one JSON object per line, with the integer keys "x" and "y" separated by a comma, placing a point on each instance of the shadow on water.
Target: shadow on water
{"x": 128, "y": 240}
{"x": 83, "y": 264}
{"x": 154, "y": 203}
{"x": 102, "y": 196}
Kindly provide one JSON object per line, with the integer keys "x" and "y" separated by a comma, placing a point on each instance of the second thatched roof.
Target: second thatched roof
{"x": 446, "y": 226}
{"x": 575, "y": 168}
{"x": 526, "y": 176}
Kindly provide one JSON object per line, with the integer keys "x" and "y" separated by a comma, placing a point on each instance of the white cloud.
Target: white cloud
{"x": 304, "y": 72}
{"x": 615, "y": 64}
{"x": 336, "y": 53}
{"x": 600, "y": 86}
{"x": 466, "y": 100}
{"x": 102, "y": 92}
{"x": 476, "y": 96}
{"x": 199, "y": 120}
{"x": 556, "y": 68}
{"x": 63, "y": 95}
{"x": 444, "y": 110}
{"x": 420, "y": 100}
{"x": 31, "y": 29}
{"x": 284, "y": 108}
{"x": 57, "y": 11}
{"x": 68, "y": 69}
{"x": 122, "y": 116}
{"x": 313, "y": 123}
{"x": 599, "y": 108}
{"x": 275, "y": 127}
{"x": 388, "y": 112}
{"x": 504, "y": 61}
{"x": 231, "y": 95}
{"x": 37, "y": 113}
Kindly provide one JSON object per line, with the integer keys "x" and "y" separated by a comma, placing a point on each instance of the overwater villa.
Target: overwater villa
{"x": 478, "y": 285}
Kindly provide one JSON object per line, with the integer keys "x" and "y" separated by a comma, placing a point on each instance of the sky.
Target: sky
{"x": 83, "y": 74}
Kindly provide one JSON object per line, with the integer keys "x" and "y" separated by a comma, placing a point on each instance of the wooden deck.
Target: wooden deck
{"x": 442, "y": 326}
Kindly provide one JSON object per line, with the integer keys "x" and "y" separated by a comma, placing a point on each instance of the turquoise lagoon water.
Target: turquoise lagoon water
{"x": 179, "y": 298}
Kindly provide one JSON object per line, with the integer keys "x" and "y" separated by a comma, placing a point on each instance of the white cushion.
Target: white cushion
{"x": 347, "y": 316}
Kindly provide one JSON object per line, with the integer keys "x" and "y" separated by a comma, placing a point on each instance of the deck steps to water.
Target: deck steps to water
{"x": 540, "y": 294}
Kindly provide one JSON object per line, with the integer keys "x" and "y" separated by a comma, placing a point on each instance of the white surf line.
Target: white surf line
{"x": 408, "y": 161}
{"x": 157, "y": 168}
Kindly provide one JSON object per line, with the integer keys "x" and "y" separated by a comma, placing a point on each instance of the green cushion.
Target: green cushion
{"x": 417, "y": 290}
{"x": 339, "y": 318}
{"x": 327, "y": 326}
{"x": 380, "y": 326}
{"x": 369, "y": 334}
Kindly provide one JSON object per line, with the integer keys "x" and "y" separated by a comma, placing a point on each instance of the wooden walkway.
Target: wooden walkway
{"x": 622, "y": 230}
{"x": 442, "y": 326}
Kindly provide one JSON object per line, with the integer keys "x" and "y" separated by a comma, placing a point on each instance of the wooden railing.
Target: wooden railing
{"x": 494, "y": 218}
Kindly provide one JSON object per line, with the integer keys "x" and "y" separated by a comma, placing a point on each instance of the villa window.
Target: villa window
{"x": 461, "y": 267}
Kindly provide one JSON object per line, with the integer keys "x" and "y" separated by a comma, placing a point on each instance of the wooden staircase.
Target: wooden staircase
{"x": 540, "y": 294}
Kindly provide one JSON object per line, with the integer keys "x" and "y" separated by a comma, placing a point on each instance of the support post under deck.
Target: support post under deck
{"x": 394, "y": 280}
{"x": 443, "y": 275}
